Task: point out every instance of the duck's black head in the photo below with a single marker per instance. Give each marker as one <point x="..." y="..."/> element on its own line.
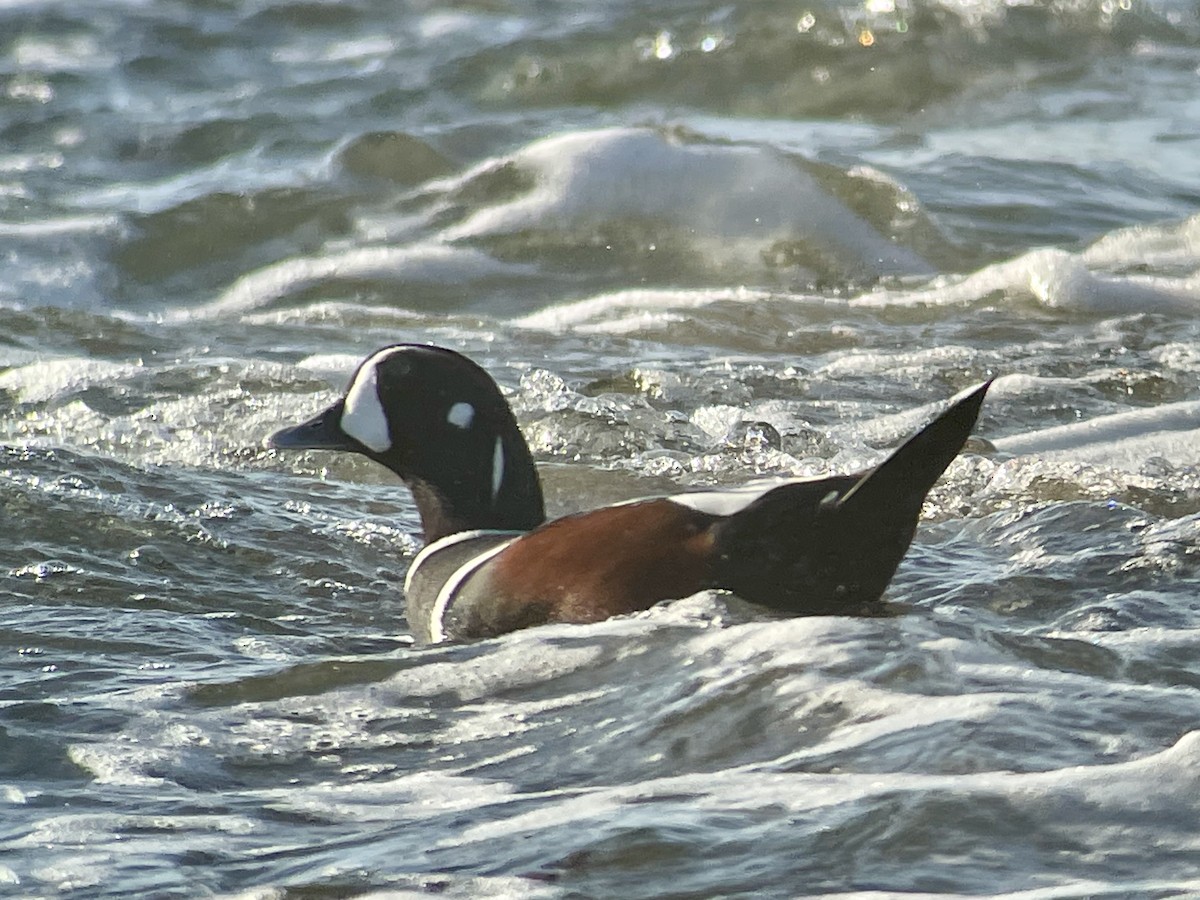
<point x="438" y="421"/>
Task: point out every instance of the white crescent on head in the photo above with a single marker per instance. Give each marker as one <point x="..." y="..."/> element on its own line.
<point x="363" y="417"/>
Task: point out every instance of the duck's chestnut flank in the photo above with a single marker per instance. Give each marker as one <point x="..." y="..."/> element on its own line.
<point x="492" y="563"/>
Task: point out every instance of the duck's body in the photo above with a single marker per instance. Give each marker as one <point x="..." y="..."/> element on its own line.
<point x="492" y="564"/>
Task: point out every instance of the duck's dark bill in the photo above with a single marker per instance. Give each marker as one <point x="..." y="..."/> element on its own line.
<point x="321" y="432"/>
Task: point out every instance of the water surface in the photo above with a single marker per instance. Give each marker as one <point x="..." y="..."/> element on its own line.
<point x="658" y="227"/>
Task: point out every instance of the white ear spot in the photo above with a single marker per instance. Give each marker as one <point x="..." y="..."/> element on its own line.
<point x="461" y="415"/>
<point x="363" y="417"/>
<point x="497" y="468"/>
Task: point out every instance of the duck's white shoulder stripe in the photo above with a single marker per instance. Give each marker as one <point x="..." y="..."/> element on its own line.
<point x="441" y="544"/>
<point x="732" y="501"/>
<point x="437" y="633"/>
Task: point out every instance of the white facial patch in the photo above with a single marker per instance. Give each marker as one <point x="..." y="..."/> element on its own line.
<point x="363" y="417"/>
<point x="497" y="468"/>
<point x="461" y="415"/>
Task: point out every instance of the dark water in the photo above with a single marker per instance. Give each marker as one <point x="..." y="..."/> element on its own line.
<point x="657" y="225"/>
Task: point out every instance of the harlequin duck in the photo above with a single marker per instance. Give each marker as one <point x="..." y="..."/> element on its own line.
<point x="492" y="564"/>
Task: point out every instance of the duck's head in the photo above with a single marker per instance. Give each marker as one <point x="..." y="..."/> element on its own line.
<point x="438" y="421"/>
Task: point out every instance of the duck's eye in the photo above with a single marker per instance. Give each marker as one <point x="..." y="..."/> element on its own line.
<point x="461" y="415"/>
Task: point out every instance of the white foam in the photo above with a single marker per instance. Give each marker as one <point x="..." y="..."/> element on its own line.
<point x="1122" y="440"/>
<point x="1164" y="780"/>
<point x="643" y="174"/>
<point x="1056" y="279"/>
<point x="40" y="381"/>
<point x="432" y="262"/>
<point x="333" y="367"/>
<point x="627" y="310"/>
<point x="1173" y="245"/>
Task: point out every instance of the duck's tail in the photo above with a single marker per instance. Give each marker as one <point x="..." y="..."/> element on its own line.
<point x="832" y="546"/>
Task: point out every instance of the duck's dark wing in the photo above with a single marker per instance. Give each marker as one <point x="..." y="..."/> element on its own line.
<point x="831" y="547"/>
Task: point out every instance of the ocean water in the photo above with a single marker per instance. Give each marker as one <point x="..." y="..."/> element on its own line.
<point x="659" y="226"/>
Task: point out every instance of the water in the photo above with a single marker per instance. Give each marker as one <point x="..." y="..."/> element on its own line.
<point x="658" y="226"/>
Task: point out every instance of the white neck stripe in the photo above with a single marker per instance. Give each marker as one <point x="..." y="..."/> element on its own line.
<point x="497" y="468"/>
